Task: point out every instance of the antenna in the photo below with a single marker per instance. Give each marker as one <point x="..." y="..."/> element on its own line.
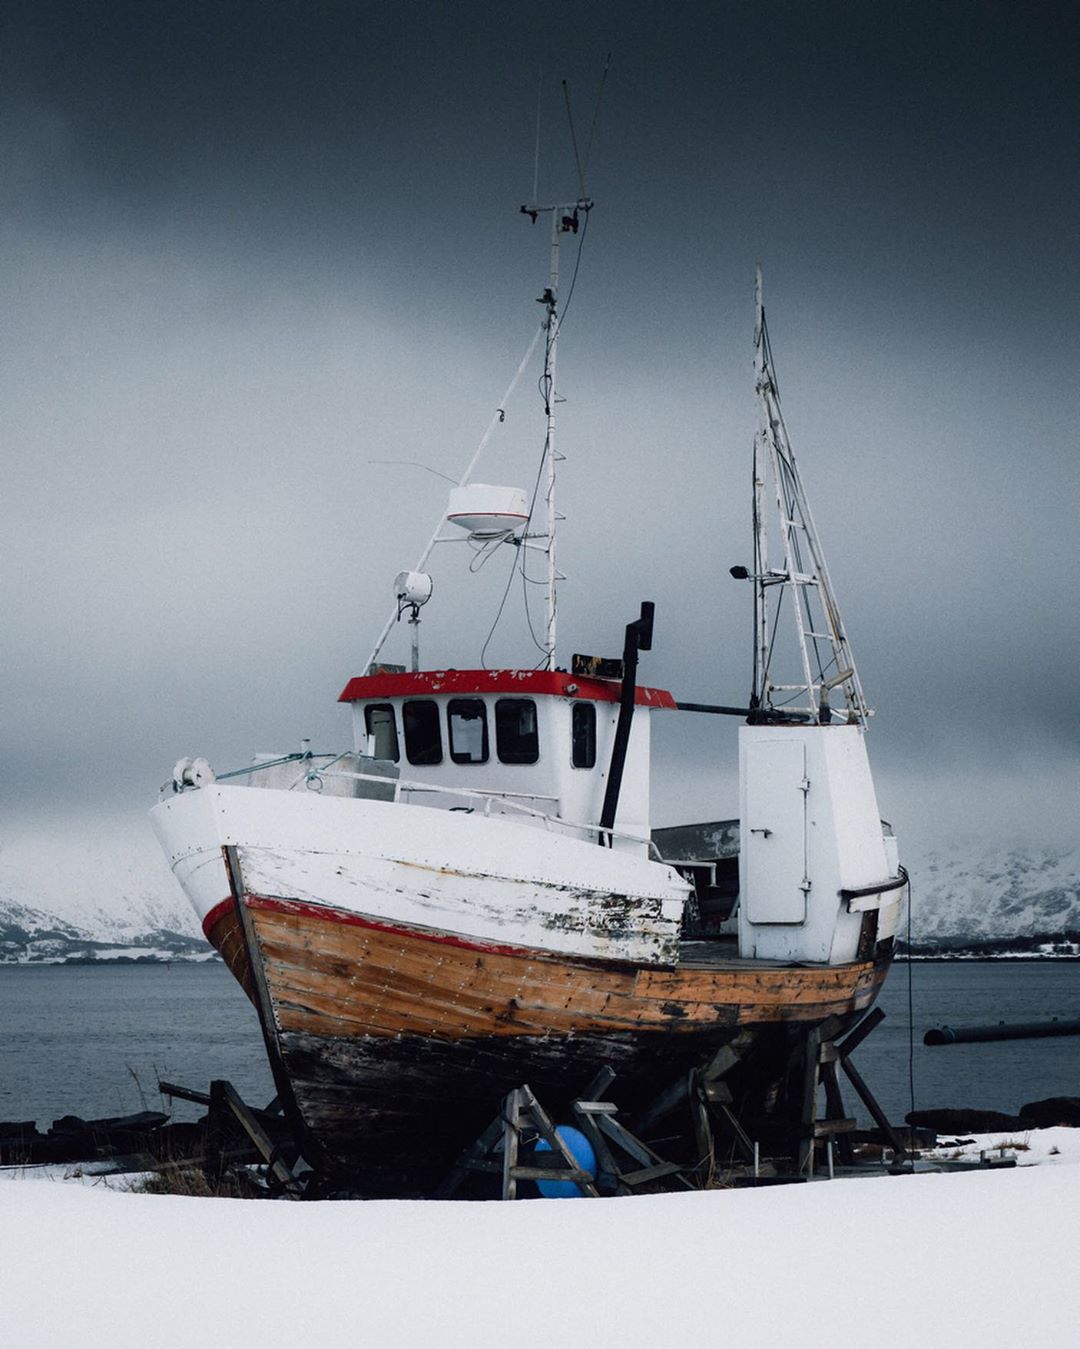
<point x="573" y="141"/>
<point x="536" y="156"/>
<point x="595" y="116"/>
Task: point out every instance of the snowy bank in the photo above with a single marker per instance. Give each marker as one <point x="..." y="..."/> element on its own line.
<point x="980" y="1259"/>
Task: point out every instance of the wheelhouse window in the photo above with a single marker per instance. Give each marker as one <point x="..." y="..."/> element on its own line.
<point x="583" y="735"/>
<point x="517" y="739"/>
<point x="382" y="730"/>
<point x="423" y="743"/>
<point x="467" y="721"/>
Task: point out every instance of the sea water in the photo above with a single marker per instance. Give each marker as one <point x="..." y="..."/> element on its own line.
<point x="93" y="1040"/>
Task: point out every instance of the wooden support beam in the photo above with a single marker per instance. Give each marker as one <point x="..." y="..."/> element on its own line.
<point x="808" y="1112"/>
<point x="834" y="1101"/>
<point x="265" y="1145"/>
<point x="473" y="1159"/>
<point x="852" y="1041"/>
<point x="825" y="1128"/>
<point x="539" y="1118"/>
<point x="271" y="1112"/>
<point x="511" y="1138"/>
<point x="868" y="1099"/>
<point x="600" y="1083"/>
<point x="741" y="1136"/>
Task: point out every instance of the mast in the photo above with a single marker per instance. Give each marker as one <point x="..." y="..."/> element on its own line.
<point x="824" y="657"/>
<point x="564" y="219"/>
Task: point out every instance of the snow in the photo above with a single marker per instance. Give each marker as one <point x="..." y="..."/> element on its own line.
<point x="1033" y="1147"/>
<point x="978" y="1258"/>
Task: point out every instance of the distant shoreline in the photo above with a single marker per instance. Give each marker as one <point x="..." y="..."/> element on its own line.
<point x="212" y="958"/>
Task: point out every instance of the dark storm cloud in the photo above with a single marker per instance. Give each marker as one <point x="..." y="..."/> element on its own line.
<point x="249" y="248"/>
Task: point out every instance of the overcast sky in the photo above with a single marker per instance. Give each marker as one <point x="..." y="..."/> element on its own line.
<point x="249" y="249"/>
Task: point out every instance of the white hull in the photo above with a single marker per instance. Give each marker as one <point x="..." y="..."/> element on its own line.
<point x="486" y="880"/>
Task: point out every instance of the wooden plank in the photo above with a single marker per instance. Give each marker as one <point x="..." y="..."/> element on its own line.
<point x="364" y="980"/>
<point x="868" y="1099"/>
<point x="600" y="1083"/>
<point x="655" y="1172"/>
<point x="473" y="1159"/>
<point x="604" y="1160"/>
<point x="808" y="1112"/>
<point x="261" y="993"/>
<point x="540" y="1118"/>
<point x="511" y="1116"/>
<point x="834" y="1104"/>
<point x="580" y="1178"/>
<point x="261" y="1139"/>
<point x="825" y="1128"/>
<point x="852" y="1041"/>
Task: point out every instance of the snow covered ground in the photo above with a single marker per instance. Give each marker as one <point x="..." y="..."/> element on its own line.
<point x="975" y="1259"/>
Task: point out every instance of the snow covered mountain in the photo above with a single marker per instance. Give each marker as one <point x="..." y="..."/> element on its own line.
<point x="102" y="892"/>
<point x="989" y="895"/>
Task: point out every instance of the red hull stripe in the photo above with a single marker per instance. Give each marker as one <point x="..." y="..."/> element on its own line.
<point x="215" y="913"/>
<point x="329" y="915"/>
<point x="555" y="683"/>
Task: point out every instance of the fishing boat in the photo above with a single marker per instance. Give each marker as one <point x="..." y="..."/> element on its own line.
<point x="473" y="895"/>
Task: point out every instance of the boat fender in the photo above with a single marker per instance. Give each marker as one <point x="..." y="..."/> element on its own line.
<point x="192" y="773"/>
<point x="582" y="1152"/>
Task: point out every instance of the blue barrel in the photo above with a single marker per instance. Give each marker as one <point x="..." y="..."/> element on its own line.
<point x="582" y="1152"/>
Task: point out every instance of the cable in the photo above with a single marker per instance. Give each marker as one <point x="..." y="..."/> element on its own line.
<point x="911" y="1012"/>
<point x="520" y="560"/>
<point x="495" y="624"/>
<point x="573" y="276"/>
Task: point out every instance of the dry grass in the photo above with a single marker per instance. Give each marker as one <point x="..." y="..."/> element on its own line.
<point x="193" y="1183"/>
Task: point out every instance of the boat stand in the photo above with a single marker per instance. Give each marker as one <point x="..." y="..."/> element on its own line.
<point x="229" y="1116"/>
<point x="507" y="1147"/>
<point x="824" y="1057"/>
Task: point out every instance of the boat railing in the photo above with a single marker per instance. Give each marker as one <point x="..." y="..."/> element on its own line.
<point x="312" y="778"/>
<point x="489" y="797"/>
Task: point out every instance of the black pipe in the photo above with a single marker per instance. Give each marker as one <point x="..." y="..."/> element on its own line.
<point x="756" y="716"/>
<point x="1024" y="1030"/>
<point x="880" y="888"/>
<point x="638" y="638"/>
<point x="716" y="709"/>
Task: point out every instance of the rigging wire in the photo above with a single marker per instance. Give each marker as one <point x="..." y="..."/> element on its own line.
<point x="521" y="561"/>
<point x="498" y="615"/>
<point x="595" y="117"/>
<point x="911" y="1010"/>
<point x="574" y="274"/>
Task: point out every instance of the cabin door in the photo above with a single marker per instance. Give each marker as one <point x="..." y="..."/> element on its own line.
<point x="773" y="835"/>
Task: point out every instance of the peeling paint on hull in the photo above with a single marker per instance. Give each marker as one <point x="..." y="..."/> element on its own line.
<point x="400" y="1044"/>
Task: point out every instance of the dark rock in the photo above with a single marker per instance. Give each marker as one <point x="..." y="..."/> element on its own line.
<point x="18" y="1128"/>
<point x="951" y="1122"/>
<point x="1054" y="1110"/>
<point x="142" y="1119"/>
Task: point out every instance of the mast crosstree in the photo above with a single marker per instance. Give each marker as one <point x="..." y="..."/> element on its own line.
<point x="823" y="654"/>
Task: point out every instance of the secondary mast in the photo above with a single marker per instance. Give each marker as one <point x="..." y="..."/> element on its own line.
<point x="824" y="656"/>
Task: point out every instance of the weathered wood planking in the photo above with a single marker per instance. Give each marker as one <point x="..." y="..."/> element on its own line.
<point x="333" y="977"/>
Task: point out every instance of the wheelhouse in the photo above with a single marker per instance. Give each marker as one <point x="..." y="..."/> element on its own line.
<point x="536" y="744"/>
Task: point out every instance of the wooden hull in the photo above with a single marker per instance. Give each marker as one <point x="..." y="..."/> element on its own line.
<point x="398" y="1044"/>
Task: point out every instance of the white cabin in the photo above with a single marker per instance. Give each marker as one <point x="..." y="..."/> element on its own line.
<point x="535" y="744"/>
